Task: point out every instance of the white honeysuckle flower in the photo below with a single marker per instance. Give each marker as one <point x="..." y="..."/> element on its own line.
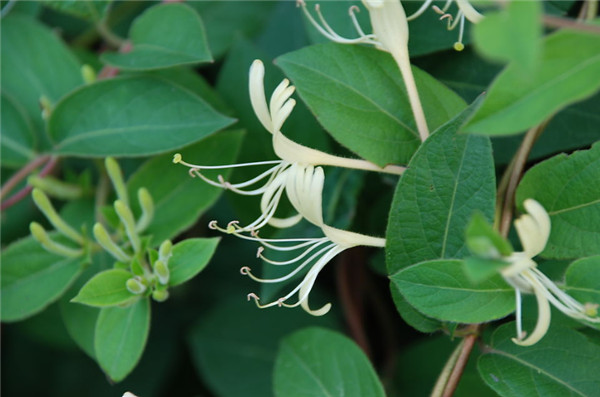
<point x="533" y="229"/>
<point x="390" y="33"/>
<point x="271" y="183"/>
<point x="305" y="190"/>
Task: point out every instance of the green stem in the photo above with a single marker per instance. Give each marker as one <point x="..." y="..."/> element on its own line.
<point x="108" y="35"/>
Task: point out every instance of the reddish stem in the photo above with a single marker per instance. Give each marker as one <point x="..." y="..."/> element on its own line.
<point x="461" y="363"/>
<point x="22" y="173"/>
<point x="350" y="276"/>
<point x="21" y="194"/>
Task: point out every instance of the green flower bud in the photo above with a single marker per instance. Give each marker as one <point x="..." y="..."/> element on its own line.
<point x="135" y="286"/>
<point x="108" y="244"/>
<point x="147" y="206"/>
<point x="116" y="177"/>
<point x="43" y="203"/>
<point x="126" y="217"/>
<point x="162" y="272"/>
<point x="55" y="188"/>
<point x="88" y="74"/>
<point x="160" y="295"/>
<point x="164" y="252"/>
<point x="40" y="235"/>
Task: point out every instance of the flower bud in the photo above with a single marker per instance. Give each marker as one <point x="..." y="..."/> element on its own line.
<point x="147" y="206"/>
<point x="160" y="295"/>
<point x="164" y="252"/>
<point x="108" y="244"/>
<point x="43" y="203"/>
<point x="116" y="177"/>
<point x="40" y="235"/>
<point x="135" y="286"/>
<point x="126" y="217"/>
<point x="55" y="188"/>
<point x="162" y="272"/>
<point x="88" y="74"/>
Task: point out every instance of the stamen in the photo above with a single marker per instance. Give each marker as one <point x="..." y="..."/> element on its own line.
<point x="295" y="259"/>
<point x="420" y="11"/>
<point x="459" y="46"/>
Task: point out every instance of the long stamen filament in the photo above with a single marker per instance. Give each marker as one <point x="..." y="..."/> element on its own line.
<point x="420" y="11"/>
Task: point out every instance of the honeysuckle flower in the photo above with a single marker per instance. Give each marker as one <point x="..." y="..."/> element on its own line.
<point x="390" y="33"/>
<point x="272" y="182"/>
<point x="305" y="192"/>
<point x="533" y="229"/>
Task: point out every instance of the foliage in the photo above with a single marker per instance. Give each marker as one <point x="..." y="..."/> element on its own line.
<point x="418" y="181"/>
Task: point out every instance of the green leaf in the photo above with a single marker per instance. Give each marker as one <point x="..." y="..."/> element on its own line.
<point x="568" y="188"/>
<point x="189" y="258"/>
<point x="32" y="278"/>
<point x="132" y="116"/>
<point x="18" y="139"/>
<point x="582" y="281"/>
<point x="320" y="362"/>
<point x="569" y="66"/>
<point x="227" y="20"/>
<point x="412" y="316"/>
<point x="440" y="289"/>
<point x="563" y="363"/>
<point x="372" y="117"/>
<point x="521" y="43"/>
<point x="479" y="269"/>
<point x="35" y="63"/>
<point x="90" y="10"/>
<point x="484" y="240"/>
<point x="121" y="335"/>
<point x="107" y="288"/>
<point x="163" y="36"/>
<point x="240" y="364"/>
<point x="178" y="198"/>
<point x="450" y="177"/>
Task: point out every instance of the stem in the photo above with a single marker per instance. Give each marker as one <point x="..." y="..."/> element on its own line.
<point x="350" y="289"/>
<point x="108" y="35"/>
<point x="442" y="380"/>
<point x="22" y="174"/>
<point x="21" y="194"/>
<point x="507" y="200"/>
<point x="461" y="362"/>
<point x="102" y="191"/>
<point x="558" y="22"/>
<point x="413" y="95"/>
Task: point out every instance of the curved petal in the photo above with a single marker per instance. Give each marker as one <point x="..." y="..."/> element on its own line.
<point x="543" y="322"/>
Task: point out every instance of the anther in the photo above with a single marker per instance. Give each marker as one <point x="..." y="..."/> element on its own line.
<point x="252" y="295"/>
<point x="353" y="9"/>
<point x="259" y="251"/>
<point x="245" y="270"/>
<point x="213" y="225"/>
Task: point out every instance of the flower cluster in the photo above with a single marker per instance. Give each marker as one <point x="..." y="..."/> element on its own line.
<point x="298" y="174"/>
<point x="522" y="273"/>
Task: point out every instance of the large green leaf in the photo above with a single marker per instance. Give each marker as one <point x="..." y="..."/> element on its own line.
<point x="227" y="20"/>
<point x="568" y="188"/>
<point x="563" y="363"/>
<point x="163" y="36"/>
<point x="370" y="116"/>
<point x="412" y="316"/>
<point x="568" y="72"/>
<point x="18" y="138"/>
<point x="521" y="43"/>
<point x="236" y="363"/>
<point x="449" y="178"/>
<point x="189" y="258"/>
<point x="320" y="362"/>
<point x="32" y="278"/>
<point x="178" y="198"/>
<point x="35" y="63"/>
<point x="107" y="288"/>
<point x="131" y="116"/>
<point x="121" y="335"/>
<point x="441" y="289"/>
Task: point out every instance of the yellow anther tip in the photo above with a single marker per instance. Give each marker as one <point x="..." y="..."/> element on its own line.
<point x="176" y="158"/>
<point x="458" y="46"/>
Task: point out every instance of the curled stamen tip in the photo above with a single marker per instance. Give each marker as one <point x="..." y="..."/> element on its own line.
<point x="192" y="172"/>
<point x="245" y="270"/>
<point x="280" y="302"/>
<point x="300" y="3"/>
<point x="353" y="9"/>
<point x="446" y="16"/>
<point x="437" y="9"/>
<point x="252" y="295"/>
<point x="213" y="225"/>
<point x="458" y="46"/>
<point x="317" y="7"/>
<point x="259" y="251"/>
<point x="177" y="158"/>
